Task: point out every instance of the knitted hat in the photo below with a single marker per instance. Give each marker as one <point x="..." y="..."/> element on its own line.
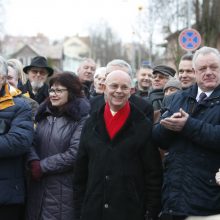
<point x="173" y="83"/>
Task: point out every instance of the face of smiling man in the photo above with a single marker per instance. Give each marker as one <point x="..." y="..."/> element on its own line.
<point x="144" y="78"/>
<point x="117" y="89"/>
<point x="186" y="73"/>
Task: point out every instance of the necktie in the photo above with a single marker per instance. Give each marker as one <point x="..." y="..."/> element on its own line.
<point x="202" y="96"/>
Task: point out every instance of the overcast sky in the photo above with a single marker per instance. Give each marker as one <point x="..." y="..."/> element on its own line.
<point x="59" y="18"/>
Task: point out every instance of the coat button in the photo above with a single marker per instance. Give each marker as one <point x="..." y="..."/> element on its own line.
<point x="107" y="177"/>
<point x="106" y="205"/>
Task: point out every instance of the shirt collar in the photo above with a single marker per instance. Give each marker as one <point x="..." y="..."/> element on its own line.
<point x="200" y="91"/>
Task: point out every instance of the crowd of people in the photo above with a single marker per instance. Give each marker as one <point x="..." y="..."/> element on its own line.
<point x="97" y="145"/>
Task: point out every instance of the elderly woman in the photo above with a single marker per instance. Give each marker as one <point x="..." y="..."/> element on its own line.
<point x="21" y="77"/>
<point x="59" y="123"/>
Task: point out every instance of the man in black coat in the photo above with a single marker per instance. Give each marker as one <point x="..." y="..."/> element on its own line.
<point x="118" y="172"/>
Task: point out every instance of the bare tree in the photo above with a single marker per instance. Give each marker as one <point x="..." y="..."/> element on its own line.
<point x="175" y="15"/>
<point x="208" y="20"/>
<point x="105" y="44"/>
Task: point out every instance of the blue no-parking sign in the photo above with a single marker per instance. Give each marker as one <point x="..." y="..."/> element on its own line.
<point x="189" y="39"/>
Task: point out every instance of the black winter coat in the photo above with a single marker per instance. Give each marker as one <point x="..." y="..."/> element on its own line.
<point x="193" y="156"/>
<point x="156" y="97"/>
<point x="118" y="179"/>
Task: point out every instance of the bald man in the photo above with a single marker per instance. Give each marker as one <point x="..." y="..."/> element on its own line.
<point x="143" y="105"/>
<point x="118" y="172"/>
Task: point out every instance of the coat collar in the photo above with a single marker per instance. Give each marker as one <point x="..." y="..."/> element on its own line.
<point x="192" y="92"/>
<point x="99" y="123"/>
<point x="6" y="98"/>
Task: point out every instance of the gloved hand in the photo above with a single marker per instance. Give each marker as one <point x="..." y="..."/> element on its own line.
<point x="36" y="171"/>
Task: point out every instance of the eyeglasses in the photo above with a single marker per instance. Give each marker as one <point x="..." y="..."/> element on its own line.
<point x="159" y="76"/>
<point x="116" y="86"/>
<point x="56" y="91"/>
<point x="42" y="72"/>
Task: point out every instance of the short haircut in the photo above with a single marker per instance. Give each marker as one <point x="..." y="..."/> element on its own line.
<point x="204" y="51"/>
<point x="99" y="70"/>
<point x="87" y="60"/>
<point x="187" y="56"/>
<point x="120" y="63"/>
<point x="3" y="67"/>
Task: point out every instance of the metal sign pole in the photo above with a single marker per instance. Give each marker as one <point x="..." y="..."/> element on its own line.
<point x="189" y="13"/>
<point x="188" y="19"/>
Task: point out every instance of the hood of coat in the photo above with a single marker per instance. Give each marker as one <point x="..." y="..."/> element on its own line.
<point x="75" y="110"/>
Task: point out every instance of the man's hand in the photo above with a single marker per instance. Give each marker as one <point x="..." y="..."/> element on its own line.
<point x="176" y="121"/>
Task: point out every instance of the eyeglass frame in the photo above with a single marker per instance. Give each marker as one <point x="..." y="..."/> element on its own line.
<point x="114" y="87"/>
<point x="160" y="76"/>
<point x="41" y="71"/>
<point x="56" y="91"/>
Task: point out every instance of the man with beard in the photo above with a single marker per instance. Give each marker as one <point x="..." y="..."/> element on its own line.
<point x="86" y="72"/>
<point x="38" y="72"/>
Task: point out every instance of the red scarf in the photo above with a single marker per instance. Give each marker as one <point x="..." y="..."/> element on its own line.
<point x="114" y="123"/>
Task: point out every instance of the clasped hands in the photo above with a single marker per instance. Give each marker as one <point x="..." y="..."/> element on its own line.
<point x="176" y="121"/>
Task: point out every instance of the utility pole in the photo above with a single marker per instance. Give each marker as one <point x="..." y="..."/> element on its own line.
<point x="140" y="8"/>
<point x="151" y="28"/>
<point x="188" y="18"/>
<point x="188" y="13"/>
